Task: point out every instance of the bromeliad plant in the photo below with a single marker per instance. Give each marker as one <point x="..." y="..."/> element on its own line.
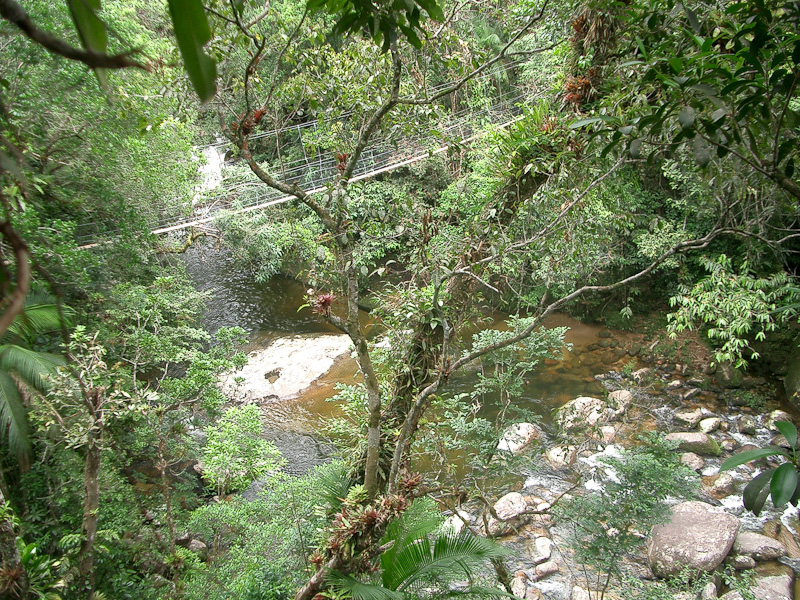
<point x="781" y="483"/>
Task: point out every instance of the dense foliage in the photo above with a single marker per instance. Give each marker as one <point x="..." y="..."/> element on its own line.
<point x="647" y="162"/>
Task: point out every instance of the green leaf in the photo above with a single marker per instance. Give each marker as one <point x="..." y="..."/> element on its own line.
<point x="701" y="153"/>
<point x="676" y="64"/>
<point x="788" y="431"/>
<point x="636" y="148"/>
<point x="783" y="484"/>
<point x="91" y="29"/>
<point x="686" y="118"/>
<point x="192" y="32"/>
<point x="433" y="9"/>
<point x="749" y="455"/>
<point x="756" y="492"/>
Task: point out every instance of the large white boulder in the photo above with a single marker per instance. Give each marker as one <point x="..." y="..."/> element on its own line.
<point x="285" y="368"/>
<point x="698" y="536"/>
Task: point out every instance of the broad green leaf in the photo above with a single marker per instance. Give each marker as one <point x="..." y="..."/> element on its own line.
<point x="676" y="64"/>
<point x="783" y="484"/>
<point x="701" y="153"/>
<point x="636" y="148"/>
<point x="192" y="32"/>
<point x="756" y="492"/>
<point x="686" y="118"/>
<point x="91" y="29"/>
<point x="749" y="455"/>
<point x="789" y="431"/>
<point x="433" y="9"/>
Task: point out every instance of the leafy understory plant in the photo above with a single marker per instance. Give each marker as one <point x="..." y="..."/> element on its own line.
<point x="236" y="454"/>
<point x="781" y="483"/>
<point x="733" y="305"/>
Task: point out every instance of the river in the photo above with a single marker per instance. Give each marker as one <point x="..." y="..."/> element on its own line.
<point x="269" y="310"/>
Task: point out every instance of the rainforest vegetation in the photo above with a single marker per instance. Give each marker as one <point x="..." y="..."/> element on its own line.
<point x="646" y="173"/>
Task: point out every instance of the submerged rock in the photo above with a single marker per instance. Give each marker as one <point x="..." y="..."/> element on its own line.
<point x="285" y="368"/>
<point x="698" y="536"/>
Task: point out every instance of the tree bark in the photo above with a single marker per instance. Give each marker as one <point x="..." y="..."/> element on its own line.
<point x="91" y="490"/>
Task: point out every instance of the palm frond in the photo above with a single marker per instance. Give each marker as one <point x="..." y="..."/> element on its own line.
<point x="416" y="523"/>
<point x="476" y="591"/>
<point x="13" y="417"/>
<point x="450" y="554"/>
<point x="40" y="315"/>
<point x="347" y="585"/>
<point x="332" y="483"/>
<point x="30" y="366"/>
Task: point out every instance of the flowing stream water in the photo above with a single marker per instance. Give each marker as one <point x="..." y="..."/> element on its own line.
<point x="269" y="310"/>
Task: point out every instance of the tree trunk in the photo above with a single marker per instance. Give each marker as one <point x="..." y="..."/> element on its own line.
<point x="91" y="490"/>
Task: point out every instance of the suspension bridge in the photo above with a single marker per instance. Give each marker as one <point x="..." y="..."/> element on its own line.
<point x="315" y="170"/>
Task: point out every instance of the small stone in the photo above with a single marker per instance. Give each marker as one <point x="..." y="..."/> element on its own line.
<point x="709" y="591"/>
<point x="540" y="549"/>
<point x="776" y="415"/>
<point x="689" y="394"/>
<point x="693" y="461"/>
<point x="732" y="595"/>
<point x="710" y="424"/>
<point x="720" y="485"/>
<point x="747" y="425"/>
<point x="456" y="522"/>
<point x="198" y="548"/>
<point x="608" y="434"/>
<point x="578" y="593"/>
<point x="728" y="377"/>
<point x="510" y="506"/>
<point x="561" y="457"/>
<point x="620" y="401"/>
<point x="604" y="334"/>
<point x="674" y="384"/>
<point x="534" y="593"/>
<point x="690" y="417"/>
<point x="634" y="349"/>
<point x="760" y="547"/>
<point x="699" y="443"/>
<point x="741" y="563"/>
<point x="728" y="445"/>
<point x="641" y="375"/>
<point x="604" y="343"/>
<point x="545" y="569"/>
<point x="517" y="437"/>
<point x="519" y="584"/>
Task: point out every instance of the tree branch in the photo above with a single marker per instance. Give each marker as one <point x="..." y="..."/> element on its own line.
<point x="15" y="14"/>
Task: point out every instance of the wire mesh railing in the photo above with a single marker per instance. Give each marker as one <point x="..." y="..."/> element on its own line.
<point x="315" y="170"/>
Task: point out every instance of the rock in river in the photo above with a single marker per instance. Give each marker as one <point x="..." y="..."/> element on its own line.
<point x="698" y="536"/>
<point x="699" y="443"/>
<point x="285" y="368"/>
